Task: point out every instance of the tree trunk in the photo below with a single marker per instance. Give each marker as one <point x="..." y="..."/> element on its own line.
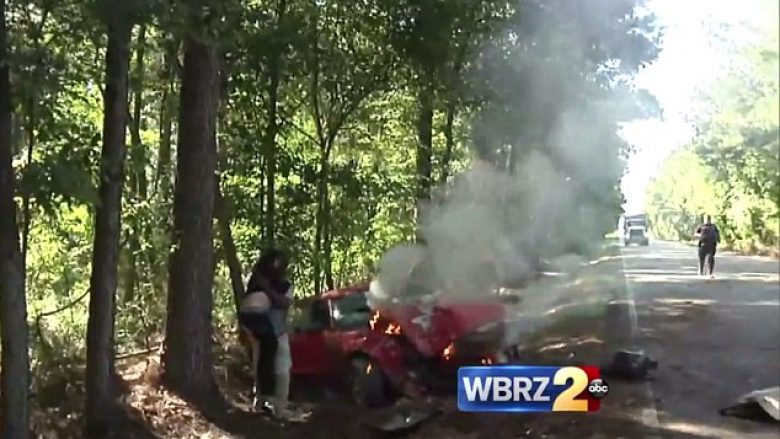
<point x="327" y="244"/>
<point x="162" y="179"/>
<point x="223" y="212"/>
<point x="14" y="365"/>
<point x="188" y="358"/>
<point x="319" y="219"/>
<point x="32" y="120"/>
<point x="167" y="110"/>
<point x="272" y="129"/>
<point x="26" y="202"/>
<point x="138" y="168"/>
<point x="269" y="144"/>
<point x="229" y="247"/>
<point x="425" y="145"/>
<point x="100" y="374"/>
<point x="449" y="142"/>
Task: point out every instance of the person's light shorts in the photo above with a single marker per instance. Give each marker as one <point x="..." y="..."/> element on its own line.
<point x="283" y="360"/>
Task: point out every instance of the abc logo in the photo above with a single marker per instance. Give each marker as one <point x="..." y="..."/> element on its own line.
<point x="598" y="388"/>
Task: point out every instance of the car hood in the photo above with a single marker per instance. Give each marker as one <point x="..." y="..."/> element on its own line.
<point x="433" y="327"/>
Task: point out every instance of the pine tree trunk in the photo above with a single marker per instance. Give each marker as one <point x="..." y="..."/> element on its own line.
<point x="425" y="144"/>
<point x="319" y="219"/>
<point x="162" y="180"/>
<point x="449" y="137"/>
<point x="167" y="111"/>
<point x="26" y="201"/>
<point x="188" y="358"/>
<point x="100" y="374"/>
<point x="229" y="248"/>
<point x="223" y="213"/>
<point x="272" y="129"/>
<point x="14" y="365"/>
<point x="327" y="243"/>
<point x="269" y="143"/>
<point x="138" y="169"/>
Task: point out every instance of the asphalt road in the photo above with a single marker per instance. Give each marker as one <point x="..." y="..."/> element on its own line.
<point x="714" y="339"/>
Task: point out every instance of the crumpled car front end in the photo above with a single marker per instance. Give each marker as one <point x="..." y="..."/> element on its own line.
<point x="420" y="345"/>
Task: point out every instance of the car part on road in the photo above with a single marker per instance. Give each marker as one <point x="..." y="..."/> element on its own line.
<point x="631" y="365"/>
<point x="759" y="405"/>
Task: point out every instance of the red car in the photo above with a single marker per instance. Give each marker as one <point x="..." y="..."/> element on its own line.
<point x="400" y="349"/>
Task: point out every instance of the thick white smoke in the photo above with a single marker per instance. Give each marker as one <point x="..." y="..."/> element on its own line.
<point x="492" y="230"/>
<point x="489" y="228"/>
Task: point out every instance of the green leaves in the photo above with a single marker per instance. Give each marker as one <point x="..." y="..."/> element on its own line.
<point x="733" y="163"/>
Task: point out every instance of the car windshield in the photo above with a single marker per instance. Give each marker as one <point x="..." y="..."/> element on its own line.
<point x="350" y="311"/>
<point x="637" y="232"/>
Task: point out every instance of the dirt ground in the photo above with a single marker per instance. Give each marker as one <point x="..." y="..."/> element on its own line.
<point x="714" y="340"/>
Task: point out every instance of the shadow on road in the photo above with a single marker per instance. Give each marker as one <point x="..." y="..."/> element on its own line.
<point x="715" y="339"/>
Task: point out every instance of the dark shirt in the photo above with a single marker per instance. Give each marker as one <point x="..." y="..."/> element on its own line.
<point x="711" y="240"/>
<point x="257" y="283"/>
<point x="280" y="296"/>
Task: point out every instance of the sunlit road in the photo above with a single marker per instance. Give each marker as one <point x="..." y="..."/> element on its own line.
<point x="715" y="339"/>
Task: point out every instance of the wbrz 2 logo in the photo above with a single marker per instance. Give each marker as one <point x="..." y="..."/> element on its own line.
<point x="530" y="389"/>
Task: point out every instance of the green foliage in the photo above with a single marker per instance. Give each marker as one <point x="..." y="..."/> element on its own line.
<point x="529" y="75"/>
<point x="732" y="169"/>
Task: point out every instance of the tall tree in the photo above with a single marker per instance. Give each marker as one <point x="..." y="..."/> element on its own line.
<point x="137" y="164"/>
<point x="15" y="365"/>
<point x="732" y="162"/>
<point x="343" y="75"/>
<point x="105" y="257"/>
<point x="435" y="38"/>
<point x="187" y="359"/>
<point x="275" y="51"/>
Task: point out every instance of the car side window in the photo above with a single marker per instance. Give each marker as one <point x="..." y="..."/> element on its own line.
<point x="320" y="315"/>
<point x="315" y="317"/>
<point x="350" y="312"/>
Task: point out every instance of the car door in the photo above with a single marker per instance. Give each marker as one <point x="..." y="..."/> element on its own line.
<point x="309" y="342"/>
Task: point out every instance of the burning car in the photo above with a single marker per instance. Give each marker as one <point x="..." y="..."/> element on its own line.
<point x="409" y="348"/>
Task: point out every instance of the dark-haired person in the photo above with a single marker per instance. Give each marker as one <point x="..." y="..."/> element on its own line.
<point x="254" y="318"/>
<point x="269" y="278"/>
<point x="709" y="238"/>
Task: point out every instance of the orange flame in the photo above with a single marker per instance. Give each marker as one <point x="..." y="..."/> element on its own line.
<point x="393" y="329"/>
<point x="449" y="351"/>
<point x="374" y="319"/>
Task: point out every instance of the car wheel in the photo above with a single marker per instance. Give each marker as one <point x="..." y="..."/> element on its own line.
<point x="367" y="385"/>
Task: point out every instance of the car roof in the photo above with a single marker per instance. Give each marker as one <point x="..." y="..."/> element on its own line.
<point x="343" y="292"/>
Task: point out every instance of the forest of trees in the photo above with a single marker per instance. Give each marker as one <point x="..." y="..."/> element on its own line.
<point x="149" y="149"/>
<point x="731" y="169"/>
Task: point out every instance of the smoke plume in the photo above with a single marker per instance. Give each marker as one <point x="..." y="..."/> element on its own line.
<point x="542" y="188"/>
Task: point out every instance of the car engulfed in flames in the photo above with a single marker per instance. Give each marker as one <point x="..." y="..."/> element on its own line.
<point x="410" y="348"/>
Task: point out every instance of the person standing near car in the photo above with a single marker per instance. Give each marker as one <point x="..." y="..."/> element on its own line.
<point x="255" y="321"/>
<point x="709" y="238"/>
<point x="269" y="277"/>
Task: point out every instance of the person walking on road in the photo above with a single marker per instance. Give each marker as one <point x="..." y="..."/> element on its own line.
<point x="709" y="238"/>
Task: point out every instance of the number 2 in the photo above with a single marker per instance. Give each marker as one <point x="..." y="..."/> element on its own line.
<point x="565" y="402"/>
